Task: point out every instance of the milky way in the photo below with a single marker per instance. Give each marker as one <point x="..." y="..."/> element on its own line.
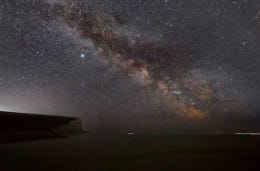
<point x="144" y="65"/>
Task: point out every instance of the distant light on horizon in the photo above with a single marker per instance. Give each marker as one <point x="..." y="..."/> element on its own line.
<point x="247" y="133"/>
<point x="130" y="133"/>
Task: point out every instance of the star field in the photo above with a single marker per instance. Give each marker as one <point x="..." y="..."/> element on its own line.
<point x="144" y="65"/>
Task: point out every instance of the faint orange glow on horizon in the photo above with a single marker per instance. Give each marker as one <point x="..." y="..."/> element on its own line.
<point x="193" y="113"/>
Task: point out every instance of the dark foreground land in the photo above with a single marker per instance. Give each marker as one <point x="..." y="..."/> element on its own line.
<point x="16" y="127"/>
<point x="141" y="152"/>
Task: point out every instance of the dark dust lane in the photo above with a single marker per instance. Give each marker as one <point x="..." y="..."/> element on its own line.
<point x="173" y="66"/>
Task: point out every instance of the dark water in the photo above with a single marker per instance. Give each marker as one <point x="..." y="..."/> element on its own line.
<point x="141" y="152"/>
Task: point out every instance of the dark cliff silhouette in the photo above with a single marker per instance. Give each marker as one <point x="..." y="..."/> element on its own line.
<point x="24" y="127"/>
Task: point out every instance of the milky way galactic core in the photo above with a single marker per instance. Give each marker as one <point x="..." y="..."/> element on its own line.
<point x="150" y="65"/>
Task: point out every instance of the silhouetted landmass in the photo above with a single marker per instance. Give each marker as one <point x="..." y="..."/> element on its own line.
<point x="22" y="127"/>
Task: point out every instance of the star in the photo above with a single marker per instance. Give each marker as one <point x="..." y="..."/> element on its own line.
<point x="82" y="56"/>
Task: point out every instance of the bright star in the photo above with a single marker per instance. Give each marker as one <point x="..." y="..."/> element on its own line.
<point x="82" y="55"/>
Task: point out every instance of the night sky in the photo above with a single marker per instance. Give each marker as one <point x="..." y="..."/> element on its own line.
<point x="134" y="65"/>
